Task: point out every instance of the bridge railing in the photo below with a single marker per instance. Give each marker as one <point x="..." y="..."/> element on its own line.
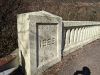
<point x="79" y="33"/>
<point x="43" y="37"/>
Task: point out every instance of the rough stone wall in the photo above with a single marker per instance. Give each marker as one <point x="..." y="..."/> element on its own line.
<point x="67" y="9"/>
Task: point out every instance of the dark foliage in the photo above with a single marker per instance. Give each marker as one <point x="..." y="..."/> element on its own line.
<point x="8" y="28"/>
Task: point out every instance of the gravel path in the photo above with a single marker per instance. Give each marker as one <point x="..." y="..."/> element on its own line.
<point x="88" y="56"/>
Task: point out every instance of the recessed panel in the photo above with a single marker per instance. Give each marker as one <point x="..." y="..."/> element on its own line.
<point x="47" y="42"/>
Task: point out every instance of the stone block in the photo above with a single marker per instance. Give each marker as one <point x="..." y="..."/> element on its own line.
<point x="40" y="39"/>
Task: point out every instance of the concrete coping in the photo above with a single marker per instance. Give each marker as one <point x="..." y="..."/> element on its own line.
<point x="81" y="23"/>
<point x="39" y="13"/>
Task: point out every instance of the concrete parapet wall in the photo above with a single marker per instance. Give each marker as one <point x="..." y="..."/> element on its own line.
<point x="79" y="33"/>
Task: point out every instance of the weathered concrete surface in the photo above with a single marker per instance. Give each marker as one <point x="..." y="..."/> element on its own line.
<point x="88" y="56"/>
<point x="39" y="38"/>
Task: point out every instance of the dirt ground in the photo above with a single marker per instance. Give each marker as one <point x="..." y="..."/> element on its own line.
<point x="88" y="56"/>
